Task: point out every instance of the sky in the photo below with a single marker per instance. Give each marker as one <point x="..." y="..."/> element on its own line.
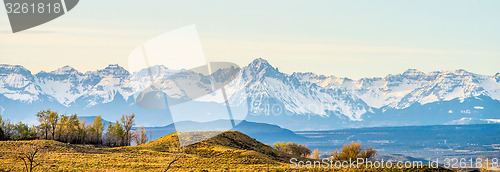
<point x="351" y="39"/>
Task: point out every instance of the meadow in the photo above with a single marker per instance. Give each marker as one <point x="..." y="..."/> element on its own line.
<point x="229" y="151"/>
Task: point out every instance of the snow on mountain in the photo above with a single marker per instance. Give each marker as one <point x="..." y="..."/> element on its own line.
<point x="403" y="90"/>
<point x="265" y="85"/>
<point x="64" y="84"/>
<point x="468" y="121"/>
<point x="450" y="85"/>
<point x="17" y="83"/>
<point x="264" y="82"/>
<point x="142" y="79"/>
<point x="114" y="80"/>
<point x="491" y="86"/>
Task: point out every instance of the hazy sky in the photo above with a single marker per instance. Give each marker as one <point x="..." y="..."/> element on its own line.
<point x="343" y="38"/>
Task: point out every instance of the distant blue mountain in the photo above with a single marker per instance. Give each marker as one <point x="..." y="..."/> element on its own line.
<point x="90" y="119"/>
<point x="264" y="133"/>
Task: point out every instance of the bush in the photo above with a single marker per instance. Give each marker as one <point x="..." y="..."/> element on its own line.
<point x="353" y="151"/>
<point x="293" y="148"/>
<point x="315" y="154"/>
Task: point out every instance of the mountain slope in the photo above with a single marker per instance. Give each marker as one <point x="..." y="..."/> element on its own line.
<point x="225" y="145"/>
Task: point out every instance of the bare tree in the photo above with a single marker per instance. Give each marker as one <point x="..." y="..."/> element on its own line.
<point x="140" y="136"/>
<point x="27" y="153"/>
<point x="176" y="150"/>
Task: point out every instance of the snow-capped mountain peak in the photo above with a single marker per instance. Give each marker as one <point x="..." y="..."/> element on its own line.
<point x="298" y="93"/>
<point x="114" y="70"/>
<point x="413" y="73"/>
<point x="260" y="65"/>
<point x="65" y="70"/>
<point x="16" y="82"/>
<point x="6" y="69"/>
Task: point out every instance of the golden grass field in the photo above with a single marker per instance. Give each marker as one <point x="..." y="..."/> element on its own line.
<point x="230" y="151"/>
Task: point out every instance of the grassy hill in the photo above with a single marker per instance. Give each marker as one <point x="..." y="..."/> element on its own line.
<point x="229" y="144"/>
<point x="229" y="151"/>
<point x="265" y="133"/>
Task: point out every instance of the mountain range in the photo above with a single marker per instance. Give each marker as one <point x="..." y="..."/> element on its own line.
<point x="297" y="101"/>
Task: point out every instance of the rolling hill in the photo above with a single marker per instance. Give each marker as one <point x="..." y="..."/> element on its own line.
<point x="262" y="132"/>
<point x="229" y="151"/>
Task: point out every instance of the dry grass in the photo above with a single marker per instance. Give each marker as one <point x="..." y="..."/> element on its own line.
<point x="230" y="151"/>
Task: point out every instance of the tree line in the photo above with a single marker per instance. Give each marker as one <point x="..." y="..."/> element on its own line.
<point x="72" y="129"/>
<point x="350" y="151"/>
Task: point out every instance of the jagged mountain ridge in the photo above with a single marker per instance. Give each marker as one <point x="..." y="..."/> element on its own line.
<point x="268" y="89"/>
<point x="353" y="98"/>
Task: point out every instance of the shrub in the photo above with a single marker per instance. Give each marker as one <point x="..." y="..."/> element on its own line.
<point x="293" y="148"/>
<point x="315" y="154"/>
<point x="353" y="151"/>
